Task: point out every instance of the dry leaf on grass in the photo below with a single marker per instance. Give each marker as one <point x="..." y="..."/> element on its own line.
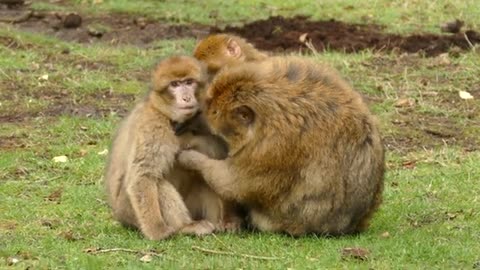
<point x="404" y="102"/>
<point x="303" y="37"/>
<point x="60" y="159"/>
<point x="43" y="77"/>
<point x="71" y="236"/>
<point x="409" y="164"/>
<point x="55" y="196"/>
<point x="357" y="253"/>
<point x="146" y="258"/>
<point x="12" y="261"/>
<point x="103" y="153"/>
<point x="465" y="95"/>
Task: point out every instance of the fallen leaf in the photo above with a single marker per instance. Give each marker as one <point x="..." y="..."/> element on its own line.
<point x="70" y="236"/>
<point x="303" y="37"/>
<point x="409" y="164"/>
<point x="12" y="260"/>
<point x="146" y="258"/>
<point x="405" y="102"/>
<point x="442" y="60"/>
<point x="385" y="235"/>
<point x="83" y="152"/>
<point x="55" y="196"/>
<point x="357" y="253"/>
<point x="465" y="95"/>
<point x="103" y="153"/>
<point x="61" y="159"/>
<point x="43" y="78"/>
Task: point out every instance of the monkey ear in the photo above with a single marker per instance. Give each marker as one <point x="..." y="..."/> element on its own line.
<point x="245" y="114"/>
<point x="233" y="49"/>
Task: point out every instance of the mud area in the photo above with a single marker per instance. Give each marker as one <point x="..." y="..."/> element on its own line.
<point x="286" y="34"/>
<point x="277" y="34"/>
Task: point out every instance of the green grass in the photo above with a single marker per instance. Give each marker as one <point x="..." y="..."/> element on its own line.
<point x="430" y="211"/>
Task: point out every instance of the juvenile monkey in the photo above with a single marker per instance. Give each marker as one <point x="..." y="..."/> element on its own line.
<point x="147" y="189"/>
<point x="221" y="50"/>
<point x="305" y="153"/>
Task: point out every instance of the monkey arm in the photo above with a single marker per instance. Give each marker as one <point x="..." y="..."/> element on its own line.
<point x="215" y="172"/>
<point x="209" y="145"/>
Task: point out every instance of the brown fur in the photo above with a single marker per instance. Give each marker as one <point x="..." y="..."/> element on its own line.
<point x="305" y="154"/>
<point x="146" y="188"/>
<point x="220" y="50"/>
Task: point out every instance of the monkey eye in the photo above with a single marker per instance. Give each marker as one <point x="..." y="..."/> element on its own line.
<point x="174" y="83"/>
<point x="189" y="81"/>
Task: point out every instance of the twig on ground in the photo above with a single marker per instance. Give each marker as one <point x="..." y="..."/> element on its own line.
<point x="139" y="252"/>
<point x="220" y="252"/>
<point x="221" y="242"/>
<point x="469" y="42"/>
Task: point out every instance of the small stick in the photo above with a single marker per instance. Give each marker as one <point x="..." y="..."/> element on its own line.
<point x="221" y="242"/>
<point x="219" y="252"/>
<point x="100" y="250"/>
<point x="469" y="42"/>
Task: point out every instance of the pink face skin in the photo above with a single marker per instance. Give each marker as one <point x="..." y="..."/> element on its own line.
<point x="186" y="104"/>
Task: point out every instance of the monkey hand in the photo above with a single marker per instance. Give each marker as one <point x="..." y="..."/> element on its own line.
<point x="191" y="159"/>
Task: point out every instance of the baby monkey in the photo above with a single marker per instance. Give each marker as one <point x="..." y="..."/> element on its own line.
<point x="220" y="50"/>
<point x="147" y="189"/>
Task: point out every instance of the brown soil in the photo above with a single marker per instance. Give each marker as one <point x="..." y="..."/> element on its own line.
<point x="113" y="29"/>
<point x="272" y="34"/>
<point x="278" y="33"/>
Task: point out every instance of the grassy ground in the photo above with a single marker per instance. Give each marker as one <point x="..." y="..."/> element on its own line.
<point x="52" y="213"/>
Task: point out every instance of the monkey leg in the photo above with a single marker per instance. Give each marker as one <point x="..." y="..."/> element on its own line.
<point x="123" y="210"/>
<point x="176" y="214"/>
<point x="173" y="208"/>
<point x="143" y="194"/>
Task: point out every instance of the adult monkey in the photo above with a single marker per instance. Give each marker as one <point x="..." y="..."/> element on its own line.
<point x="305" y="153"/>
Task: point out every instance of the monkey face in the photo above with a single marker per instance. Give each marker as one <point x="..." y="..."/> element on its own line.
<point x="234" y="124"/>
<point x="178" y="83"/>
<point x="184" y="98"/>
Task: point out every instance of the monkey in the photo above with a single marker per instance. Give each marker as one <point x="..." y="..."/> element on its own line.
<point x="305" y="153"/>
<point x="220" y="50"/>
<point x="146" y="188"/>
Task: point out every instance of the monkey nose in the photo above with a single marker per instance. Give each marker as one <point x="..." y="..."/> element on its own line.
<point x="186" y="99"/>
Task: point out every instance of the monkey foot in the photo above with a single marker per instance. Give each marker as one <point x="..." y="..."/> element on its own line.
<point x="199" y="228"/>
<point x="159" y="234"/>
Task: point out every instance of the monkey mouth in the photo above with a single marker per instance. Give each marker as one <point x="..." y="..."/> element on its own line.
<point x="188" y="108"/>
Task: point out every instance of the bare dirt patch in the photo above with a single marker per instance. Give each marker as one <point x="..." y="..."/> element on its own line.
<point x="112" y="29"/>
<point x="60" y="102"/>
<point x="415" y="131"/>
<point x="273" y="34"/>
<point x="279" y="33"/>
